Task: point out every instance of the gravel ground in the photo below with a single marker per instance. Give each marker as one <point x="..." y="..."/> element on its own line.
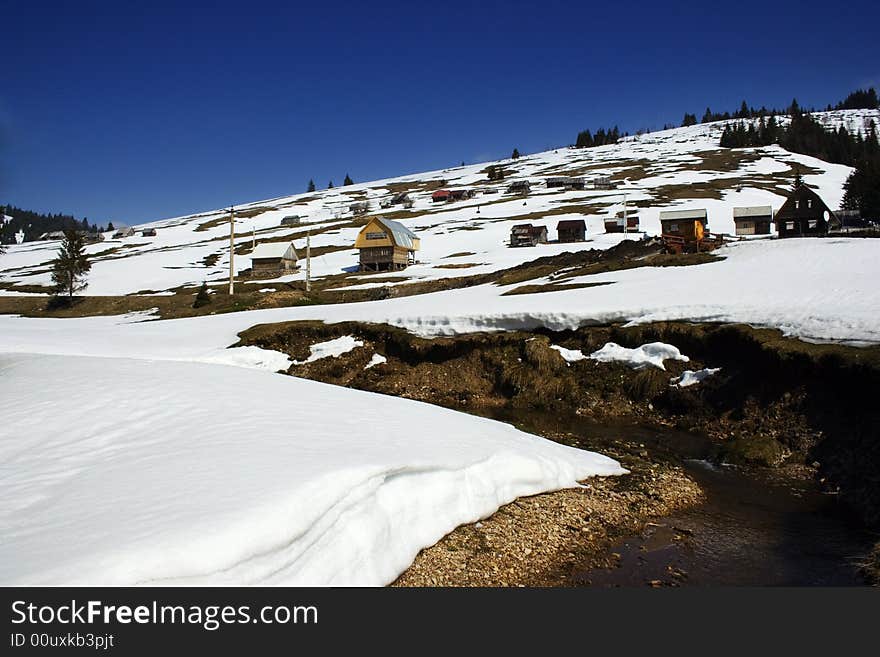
<point x="543" y="540"/>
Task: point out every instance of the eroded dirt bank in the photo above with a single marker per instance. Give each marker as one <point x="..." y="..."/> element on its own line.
<point x="806" y="411"/>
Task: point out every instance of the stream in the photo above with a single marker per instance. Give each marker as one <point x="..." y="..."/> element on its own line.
<point x="757" y="527"/>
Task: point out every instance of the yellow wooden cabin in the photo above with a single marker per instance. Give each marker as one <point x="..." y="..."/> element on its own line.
<point x="386" y="245"/>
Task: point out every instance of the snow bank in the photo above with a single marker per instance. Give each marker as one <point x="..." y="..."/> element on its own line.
<point x="653" y="353"/>
<point x="569" y="355"/>
<point x="692" y="377"/>
<point x="124" y="471"/>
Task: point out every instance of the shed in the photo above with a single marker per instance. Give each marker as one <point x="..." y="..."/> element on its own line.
<point x="360" y="207"/>
<point x="528" y="235"/>
<point x="128" y="231"/>
<point x="804" y="214"/>
<point x="754" y="220"/>
<point x="291" y="220"/>
<point x="386" y="245"/>
<point x="441" y="196"/>
<point x="571" y="230"/>
<point x="603" y="182"/>
<point x="685" y="231"/>
<point x="273" y="258"/>
<point x="519" y="187"/>
<point x="148" y="232"/>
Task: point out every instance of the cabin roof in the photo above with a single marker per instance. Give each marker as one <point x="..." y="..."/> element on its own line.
<point x="571" y="223"/>
<point x="753" y="211"/>
<point x="400" y="234"/>
<point x="268" y="250"/>
<point x="683" y="215"/>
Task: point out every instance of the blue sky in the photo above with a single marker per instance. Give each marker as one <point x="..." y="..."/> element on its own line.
<point x="132" y="112"/>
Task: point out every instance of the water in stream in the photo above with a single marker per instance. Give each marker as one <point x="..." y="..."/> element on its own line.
<point x="756" y="528"/>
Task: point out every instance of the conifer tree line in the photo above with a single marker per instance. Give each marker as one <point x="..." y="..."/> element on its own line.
<point x="311" y="186"/>
<point x="35" y="224"/>
<point x="586" y="139"/>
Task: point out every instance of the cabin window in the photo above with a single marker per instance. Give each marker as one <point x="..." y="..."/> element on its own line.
<point x="673" y="228"/>
<point x="797" y="205"/>
<point x="809" y="202"/>
<point x="813" y="223"/>
<point x="375" y="236"/>
<point x="789" y="225"/>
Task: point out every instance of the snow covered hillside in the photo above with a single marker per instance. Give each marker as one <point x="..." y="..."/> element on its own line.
<point x="677" y="168"/>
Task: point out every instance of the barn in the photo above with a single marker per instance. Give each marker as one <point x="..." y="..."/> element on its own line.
<point x="804" y="214"/>
<point x="441" y="196"/>
<point x="571" y="230"/>
<point x="754" y="220"/>
<point x="360" y="207"/>
<point x="273" y="258"/>
<point x="386" y="245"/>
<point x="528" y="235"/>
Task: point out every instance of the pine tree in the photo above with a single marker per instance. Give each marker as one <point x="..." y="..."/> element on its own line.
<point x="203" y="298"/>
<point x="311" y="186"/>
<point x="689" y="119"/>
<point x="330" y="185"/>
<point x="515" y="154"/>
<point x="798" y="179"/>
<point x="110" y="226"/>
<point x="70" y="267"/>
<point x="348" y="180"/>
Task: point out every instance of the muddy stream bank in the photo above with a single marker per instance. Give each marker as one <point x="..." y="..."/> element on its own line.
<point x="767" y="473"/>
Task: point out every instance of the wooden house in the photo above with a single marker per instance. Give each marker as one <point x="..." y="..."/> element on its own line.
<point x="386" y="245"/>
<point x="753" y="220"/>
<point x="686" y="231"/>
<point x="127" y="231"/>
<point x="566" y="182"/>
<point x="603" y="182"/>
<point x="441" y="196"/>
<point x="519" y="187"/>
<point x="460" y="194"/>
<point x="528" y="235"/>
<point x="400" y="199"/>
<point x="148" y="232"/>
<point x="615" y="224"/>
<point x="360" y="207"/>
<point x="571" y="230"/>
<point x="291" y="220"/>
<point x="273" y="258"/>
<point x="804" y="214"/>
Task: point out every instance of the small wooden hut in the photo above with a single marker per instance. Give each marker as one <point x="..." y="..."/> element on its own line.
<point x="273" y="258"/>
<point x="571" y="230"/>
<point x="753" y="220"/>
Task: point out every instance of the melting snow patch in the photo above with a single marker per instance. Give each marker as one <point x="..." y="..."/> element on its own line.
<point x="267" y="289"/>
<point x="691" y="377"/>
<point x="569" y="355"/>
<point x="653" y="353"/>
<point x="334" y="348"/>
<point x="377" y="359"/>
<point x="187" y="473"/>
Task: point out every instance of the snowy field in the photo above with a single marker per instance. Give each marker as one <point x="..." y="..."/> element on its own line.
<point x="656" y="171"/>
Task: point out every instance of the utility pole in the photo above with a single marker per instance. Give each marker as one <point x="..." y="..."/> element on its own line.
<point x="231" y="251"/>
<point x="253" y="238"/>
<point x="308" y="261"/>
<point x="625" y="226"/>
